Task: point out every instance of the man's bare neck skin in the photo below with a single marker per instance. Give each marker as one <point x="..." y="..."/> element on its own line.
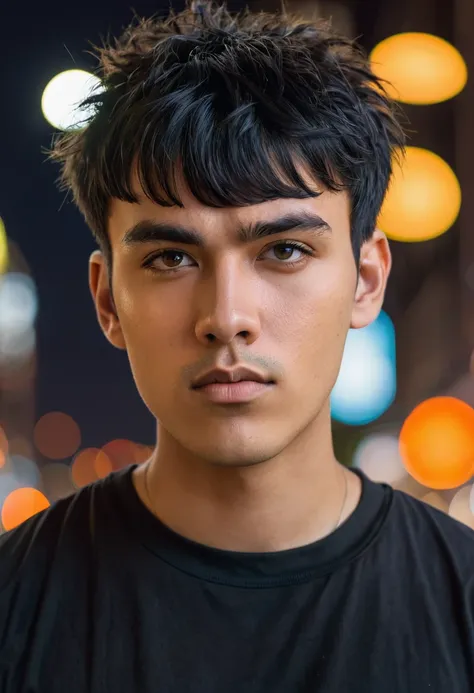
<point x="280" y="504"/>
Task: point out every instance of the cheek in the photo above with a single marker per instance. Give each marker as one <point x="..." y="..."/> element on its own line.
<point x="155" y="326"/>
<point x="314" y="313"/>
<point x="155" y="336"/>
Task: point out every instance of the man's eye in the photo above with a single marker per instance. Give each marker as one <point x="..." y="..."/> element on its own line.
<point x="166" y="260"/>
<point x="288" y="252"/>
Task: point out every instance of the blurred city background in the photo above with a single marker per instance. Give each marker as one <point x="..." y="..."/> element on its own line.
<point x="403" y="403"/>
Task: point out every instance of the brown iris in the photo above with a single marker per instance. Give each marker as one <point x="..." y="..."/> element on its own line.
<point x="172" y="258"/>
<point x="283" y="252"/>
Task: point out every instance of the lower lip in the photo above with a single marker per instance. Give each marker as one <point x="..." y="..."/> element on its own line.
<point x="233" y="393"/>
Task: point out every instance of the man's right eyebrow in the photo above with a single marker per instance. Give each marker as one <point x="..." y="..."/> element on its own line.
<point x="149" y="231"/>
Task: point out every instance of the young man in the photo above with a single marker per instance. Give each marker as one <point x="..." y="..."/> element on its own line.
<point x="232" y="174"/>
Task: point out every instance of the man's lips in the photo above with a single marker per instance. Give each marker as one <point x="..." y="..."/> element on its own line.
<point x="234" y="393"/>
<point x="223" y="375"/>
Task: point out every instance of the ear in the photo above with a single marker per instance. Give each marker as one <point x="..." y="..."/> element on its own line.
<point x="374" y="269"/>
<point x="100" y="286"/>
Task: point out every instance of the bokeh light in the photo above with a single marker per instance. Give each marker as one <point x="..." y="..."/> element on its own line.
<point x="8" y="483"/>
<point x="57" y="480"/>
<point x="17" y="472"/>
<point x="123" y="453"/>
<point x="63" y="94"/>
<point x="460" y="509"/>
<point x="3" y="248"/>
<point x="419" y="68"/>
<point x="142" y="453"/>
<point x="92" y="464"/>
<point x="24" y="470"/>
<point x="423" y="199"/>
<point x="17" y="348"/>
<point x="21" y="446"/>
<point x="89" y="465"/>
<point x="18" y="302"/>
<point x="57" y="435"/>
<point x="3" y="447"/>
<point x="366" y="384"/>
<point x="102" y="464"/>
<point x="437" y="443"/>
<point x="22" y="504"/>
<point x="378" y="456"/>
<point x="18" y="309"/>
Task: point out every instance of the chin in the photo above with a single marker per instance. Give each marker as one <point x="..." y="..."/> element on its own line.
<point x="233" y="445"/>
<point x="233" y="458"/>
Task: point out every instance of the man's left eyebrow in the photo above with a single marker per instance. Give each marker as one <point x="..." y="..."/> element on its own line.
<point x="297" y="221"/>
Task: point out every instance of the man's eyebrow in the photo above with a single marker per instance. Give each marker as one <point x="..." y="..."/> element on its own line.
<point x="296" y="221"/>
<point x="149" y="230"/>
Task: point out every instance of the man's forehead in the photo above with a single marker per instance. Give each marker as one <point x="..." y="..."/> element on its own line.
<point x="228" y="221"/>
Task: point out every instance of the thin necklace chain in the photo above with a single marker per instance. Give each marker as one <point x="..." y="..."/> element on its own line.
<point x="344" y="499"/>
<point x="151" y="504"/>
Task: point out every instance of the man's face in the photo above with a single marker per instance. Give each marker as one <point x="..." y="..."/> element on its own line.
<point x="224" y="301"/>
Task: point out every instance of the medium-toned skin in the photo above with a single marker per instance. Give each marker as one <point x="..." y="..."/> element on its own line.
<point x="259" y="476"/>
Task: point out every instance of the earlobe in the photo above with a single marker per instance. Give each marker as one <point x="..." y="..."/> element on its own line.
<point x="374" y="270"/>
<point x="100" y="288"/>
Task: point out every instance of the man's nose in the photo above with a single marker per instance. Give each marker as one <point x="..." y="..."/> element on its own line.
<point x="228" y="306"/>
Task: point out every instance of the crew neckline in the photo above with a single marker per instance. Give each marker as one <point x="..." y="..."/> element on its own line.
<point x="256" y="569"/>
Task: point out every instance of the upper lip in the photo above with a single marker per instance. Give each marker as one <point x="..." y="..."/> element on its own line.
<point x="222" y="375"/>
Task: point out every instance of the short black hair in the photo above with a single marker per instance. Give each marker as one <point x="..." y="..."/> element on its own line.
<point x="234" y="101"/>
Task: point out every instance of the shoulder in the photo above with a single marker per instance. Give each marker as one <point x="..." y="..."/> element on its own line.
<point x="33" y="542"/>
<point x="60" y="530"/>
<point x="50" y="556"/>
<point x="432" y="534"/>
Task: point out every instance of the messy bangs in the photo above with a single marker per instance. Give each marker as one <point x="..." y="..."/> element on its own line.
<point x="237" y="107"/>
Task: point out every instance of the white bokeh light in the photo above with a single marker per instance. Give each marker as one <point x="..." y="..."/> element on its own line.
<point x="378" y="455"/>
<point x="18" y="309"/>
<point x="18" y="302"/>
<point x="63" y="94"/>
<point x="17" y="347"/>
<point x="25" y="471"/>
<point x="460" y="508"/>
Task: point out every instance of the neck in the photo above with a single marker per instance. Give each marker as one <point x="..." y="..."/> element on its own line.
<point x="288" y="501"/>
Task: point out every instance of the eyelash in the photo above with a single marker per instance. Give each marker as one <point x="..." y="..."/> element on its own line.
<point x="287" y="244"/>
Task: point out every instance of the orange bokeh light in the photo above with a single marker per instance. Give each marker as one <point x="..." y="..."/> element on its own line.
<point x="57" y="435"/>
<point x="22" y="504"/>
<point x="90" y="465"/>
<point x="123" y="453"/>
<point x="437" y="443"/>
<point x="142" y="453"/>
<point x="102" y="464"/>
<point x="419" y="68"/>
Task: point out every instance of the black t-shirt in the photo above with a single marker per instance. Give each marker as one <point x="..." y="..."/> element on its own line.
<point x="98" y="596"/>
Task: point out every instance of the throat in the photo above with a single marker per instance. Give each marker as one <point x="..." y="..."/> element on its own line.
<point x="267" y="515"/>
